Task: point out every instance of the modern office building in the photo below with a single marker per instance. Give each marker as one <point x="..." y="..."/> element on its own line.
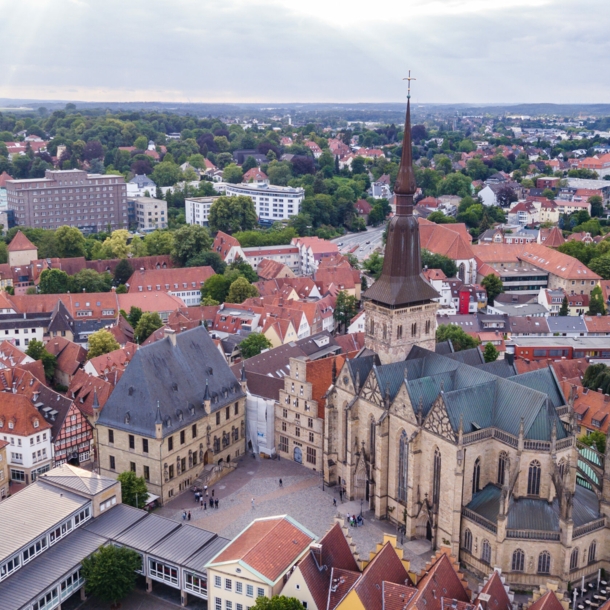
<point x="151" y="213"/>
<point x="72" y="197"/>
<point x="272" y="203"/>
<point x="197" y="210"/>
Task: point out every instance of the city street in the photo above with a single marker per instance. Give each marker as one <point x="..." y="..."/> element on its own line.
<point x="359" y="241"/>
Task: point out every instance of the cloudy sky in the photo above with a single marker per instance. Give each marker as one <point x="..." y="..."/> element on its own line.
<point x="479" y="51"/>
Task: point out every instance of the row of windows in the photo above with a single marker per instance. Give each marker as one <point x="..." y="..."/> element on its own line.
<point x="239" y="587"/>
<point x="399" y="329"/>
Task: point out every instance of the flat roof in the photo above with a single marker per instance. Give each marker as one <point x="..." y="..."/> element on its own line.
<point x="113" y="523"/>
<point x="59" y="560"/>
<point x="181" y="544"/>
<point x="575" y="342"/>
<point x="30" y="513"/>
<point x="198" y="561"/>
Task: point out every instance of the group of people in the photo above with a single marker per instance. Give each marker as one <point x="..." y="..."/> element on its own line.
<point x="203" y="500"/>
<point x="355" y="521"/>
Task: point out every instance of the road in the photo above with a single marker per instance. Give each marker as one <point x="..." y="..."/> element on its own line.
<point x="365" y="242"/>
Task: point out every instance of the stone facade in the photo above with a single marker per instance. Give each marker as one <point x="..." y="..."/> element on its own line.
<point x="171" y="464"/>
<point x="391" y="333"/>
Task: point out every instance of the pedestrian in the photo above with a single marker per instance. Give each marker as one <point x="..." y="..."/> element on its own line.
<point x="280" y="482"/>
<point x="189" y="517"/>
<point x="201" y="501"/>
<point x="205" y="488"/>
<point x="212" y="493"/>
<point x="216" y="503"/>
<point x="206" y="493"/>
<point x="183" y="515"/>
<point x="205" y="506"/>
<point x="334" y="501"/>
<point x="252" y="502"/>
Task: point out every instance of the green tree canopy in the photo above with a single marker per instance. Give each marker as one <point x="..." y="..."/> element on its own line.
<point x="101" y="342"/>
<point x="54" y="281"/>
<point x="373" y="265"/>
<point x="490" y="353"/>
<point x="345" y="309"/>
<point x="70" y="242"/>
<point x="166" y="173"/>
<point x="438" y="261"/>
<point x="208" y="259"/>
<point x="458" y="337"/>
<point x="231" y="214"/>
<point x="147" y="325"/>
<point x="564" y="310"/>
<point x="253" y="345"/>
<point x="493" y="285"/>
<point x="37" y="351"/>
<point x="232" y="173"/>
<point x="189" y="241"/>
<point x="597" y="440"/>
<point x="240" y="290"/>
<point x="216" y="288"/>
<point x="277" y="602"/>
<point x="596" y="302"/>
<point x="110" y="573"/>
<point x="89" y="280"/>
<point x="243" y="268"/>
<point x="134" y="315"/>
<point x="159" y="242"/>
<point x="123" y="271"/>
<point x="597" y="376"/>
<point x="133" y="489"/>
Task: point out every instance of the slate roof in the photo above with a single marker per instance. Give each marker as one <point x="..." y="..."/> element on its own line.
<point x="544" y="381"/>
<point x="171" y="378"/>
<point x="566" y="324"/>
<point x="77" y="479"/>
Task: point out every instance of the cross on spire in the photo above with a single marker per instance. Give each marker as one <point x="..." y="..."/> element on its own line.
<point x="409" y="79"/>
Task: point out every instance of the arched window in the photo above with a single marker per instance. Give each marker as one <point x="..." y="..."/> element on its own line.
<point x="562" y="467"/>
<point x="372" y="440"/>
<point x="468" y="540"/>
<point x="476" y="476"/>
<point x="372" y="327"/>
<point x="533" y="479"/>
<point x="574" y="559"/>
<point x="544" y="563"/>
<point x="428" y="325"/>
<point x="414" y="329"/>
<point x="399" y="331"/>
<point x="403" y="466"/>
<point x="592" y="550"/>
<point x="436" y="478"/>
<point x="385" y="331"/>
<point x="502" y="467"/>
<point x="486" y="552"/>
<point x="462" y="272"/>
<point x="518" y="561"/>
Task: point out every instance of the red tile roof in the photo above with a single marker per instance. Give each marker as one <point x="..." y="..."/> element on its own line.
<point x="3" y="178"/>
<point x="19" y="416"/>
<point x="70" y="356"/>
<point x="269" y="269"/>
<point x="495" y="588"/>
<point x="320" y="375"/>
<point x="452" y="240"/>
<point x="223" y="243"/>
<point x="83" y="388"/>
<point x="20" y="243"/>
<point x="165" y="280"/>
<point x="255" y="174"/>
<point x="263" y="546"/>
<point x="117" y="359"/>
<point x="548" y="601"/>
<point x="150" y="301"/>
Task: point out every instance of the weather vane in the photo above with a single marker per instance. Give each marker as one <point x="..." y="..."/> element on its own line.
<point x="409" y="79"/>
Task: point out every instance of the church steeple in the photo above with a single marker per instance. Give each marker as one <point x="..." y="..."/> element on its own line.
<point x="401" y="283"/>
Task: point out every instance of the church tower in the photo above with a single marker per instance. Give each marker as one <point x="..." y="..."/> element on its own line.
<point x="399" y="309"/>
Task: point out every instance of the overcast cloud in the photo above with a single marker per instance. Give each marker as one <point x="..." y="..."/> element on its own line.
<point x="480" y="51"/>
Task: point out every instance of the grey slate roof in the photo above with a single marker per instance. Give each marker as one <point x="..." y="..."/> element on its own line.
<point x="472" y="356"/>
<point x="544" y="381"/>
<point x="173" y="377"/>
<point x="181" y="544"/>
<point x="198" y="560"/>
<point x="113" y="523"/>
<point x="32" y="512"/>
<point x="567" y="324"/>
<point x="50" y="566"/>
<point x="77" y="479"/>
<point x="501" y="368"/>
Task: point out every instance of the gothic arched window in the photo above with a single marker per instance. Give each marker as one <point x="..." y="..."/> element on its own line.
<point x="592" y="550"/>
<point x="544" y="563"/>
<point x="533" y="479"/>
<point x="372" y="327"/>
<point x="518" y="561"/>
<point x="486" y="552"/>
<point x="574" y="559"/>
<point x="372" y="441"/>
<point x="385" y="331"/>
<point x="476" y="476"/>
<point x="403" y="466"/>
<point x="502" y="467"/>
<point x="436" y="478"/>
<point x="562" y="467"/>
<point x="468" y="540"/>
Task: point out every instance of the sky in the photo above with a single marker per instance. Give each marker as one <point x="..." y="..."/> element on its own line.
<point x="460" y="51"/>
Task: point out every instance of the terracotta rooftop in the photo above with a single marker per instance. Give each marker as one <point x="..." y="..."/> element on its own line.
<point x="20" y="242"/>
<point x="165" y="280"/>
<point x="548" y="601"/>
<point x="451" y="240"/>
<point x="262" y="546"/>
<point x="19" y="416"/>
<point x="83" y="389"/>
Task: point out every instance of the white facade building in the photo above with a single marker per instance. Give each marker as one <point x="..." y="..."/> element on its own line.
<point x="197" y="210"/>
<point x="271" y="202"/>
<point x="151" y="213"/>
<point x="139" y="185"/>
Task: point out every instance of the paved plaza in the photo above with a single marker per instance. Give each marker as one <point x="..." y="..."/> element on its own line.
<point x="301" y="497"/>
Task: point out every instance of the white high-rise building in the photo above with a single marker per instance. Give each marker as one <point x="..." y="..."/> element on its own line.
<point x="271" y="202"/>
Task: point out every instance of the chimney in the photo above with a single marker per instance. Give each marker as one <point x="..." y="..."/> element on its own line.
<point x="168" y="332"/>
<point x="316" y="550"/>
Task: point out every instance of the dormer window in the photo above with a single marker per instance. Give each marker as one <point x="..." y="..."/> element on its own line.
<point x="11" y="425"/>
<point x="36" y="423"/>
<point x="127" y="417"/>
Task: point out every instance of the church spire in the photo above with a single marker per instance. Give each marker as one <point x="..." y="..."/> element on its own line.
<point x="401" y="282"/>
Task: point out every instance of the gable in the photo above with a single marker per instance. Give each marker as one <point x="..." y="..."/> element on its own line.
<point x="370" y="391"/>
<point x="438" y="421"/>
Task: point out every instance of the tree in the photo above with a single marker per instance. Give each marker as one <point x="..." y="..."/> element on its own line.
<point x="231" y="214"/>
<point x="373" y="265"/>
<point x="277" y="602"/>
<point x="232" y="173"/>
<point x="458" y="337"/>
<point x="597" y="440"/>
<point x="248" y="164"/>
<point x="596" y="302"/>
<point x="133" y="489"/>
<point x="110" y="573"/>
<point x="208" y="259"/>
<point x="597" y="376"/>
<point x="141" y="143"/>
<point x="505" y="196"/>
<point x="116" y="246"/>
<point x="345" y="309"/>
<point x="134" y="315"/>
<point x="244" y="269"/>
<point x="490" y="353"/>
<point x="216" y="288"/>
<point x="564" y="309"/>
<point x="37" y="351"/>
<point x="455" y="184"/>
<point x="189" y="241"/>
<point x="101" y="342"/>
<point x="159" y="242"/>
<point x="137" y="247"/>
<point x="438" y="261"/>
<point x="166" y="173"/>
<point x="122" y="272"/>
<point x="493" y="285"/>
<point x="70" y="242"/>
<point x="599" y="265"/>
<point x="253" y="345"/>
<point x="53" y="281"/>
<point x="147" y="325"/>
<point x="240" y="290"/>
<point x="89" y="280"/>
<point x="597" y="205"/>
